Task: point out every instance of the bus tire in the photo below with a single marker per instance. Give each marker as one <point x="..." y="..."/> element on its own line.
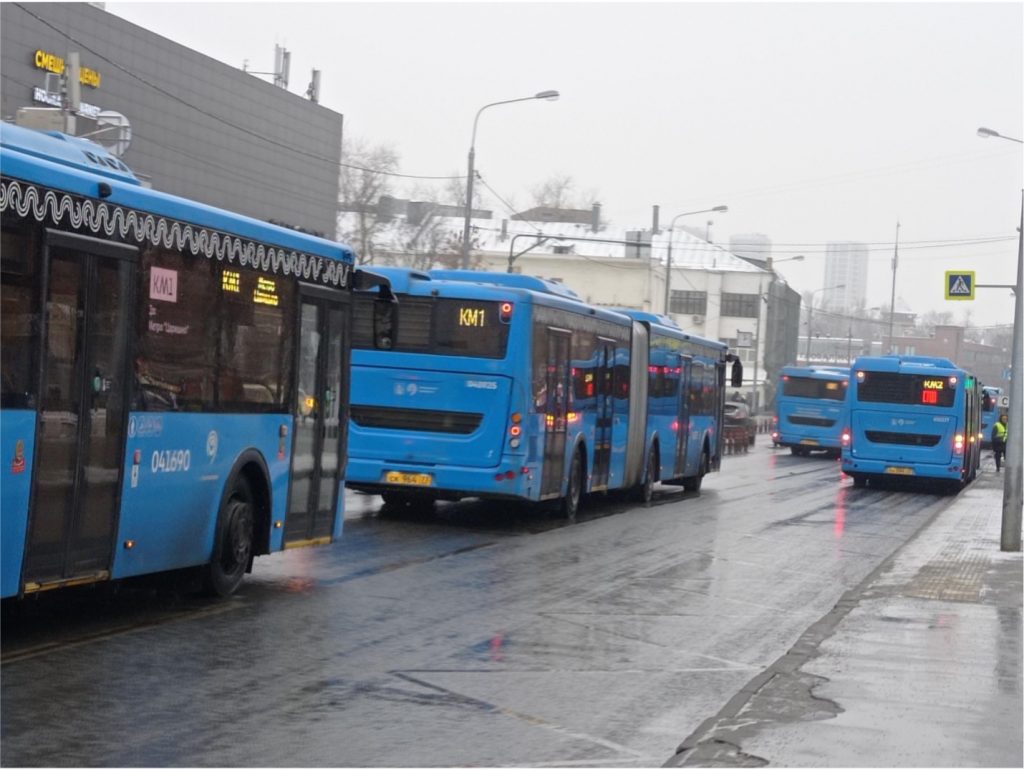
<point x="573" y="488"/>
<point x="645" y="489"/>
<point x="233" y="546"/>
<point x="693" y="483"/>
<point x="859" y="480"/>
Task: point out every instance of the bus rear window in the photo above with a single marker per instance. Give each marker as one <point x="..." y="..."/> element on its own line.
<point x="890" y="388"/>
<point x="806" y="387"/>
<point x="441" y="326"/>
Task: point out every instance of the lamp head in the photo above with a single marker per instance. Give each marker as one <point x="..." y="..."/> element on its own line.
<point x="985" y="133"/>
<point x="720" y="209"/>
<point x="549" y="95"/>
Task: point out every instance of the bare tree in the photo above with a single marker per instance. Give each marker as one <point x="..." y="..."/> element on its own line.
<point x="364" y="179"/>
<point x="555" y="192"/>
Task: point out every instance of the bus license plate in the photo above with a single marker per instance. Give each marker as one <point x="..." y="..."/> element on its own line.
<point x="899" y="470"/>
<point x="809" y="441"/>
<point x="412" y="479"/>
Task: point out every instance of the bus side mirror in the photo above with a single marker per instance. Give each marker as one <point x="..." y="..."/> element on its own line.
<point x="385" y="314"/>
<point x="737" y="374"/>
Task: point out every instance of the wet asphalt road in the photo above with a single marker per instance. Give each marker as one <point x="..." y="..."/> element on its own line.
<point x="480" y="636"/>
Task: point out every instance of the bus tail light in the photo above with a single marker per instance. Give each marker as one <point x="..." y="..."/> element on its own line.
<point x="505" y="312"/>
<point x="847" y="438"/>
<point x="958" y="444"/>
<point x="515" y="430"/>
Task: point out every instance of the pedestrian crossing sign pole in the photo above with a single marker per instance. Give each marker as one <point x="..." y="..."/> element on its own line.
<point x="960" y="284"/>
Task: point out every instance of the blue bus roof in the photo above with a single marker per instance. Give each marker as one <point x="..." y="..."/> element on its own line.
<point x="667" y="325"/>
<point x="511" y="280"/>
<point x="72" y="151"/>
<point x="61" y="162"/>
<point x="904" y="364"/>
<point x="817" y="372"/>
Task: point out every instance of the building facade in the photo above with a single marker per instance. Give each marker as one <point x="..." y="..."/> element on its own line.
<point x="195" y="127"/>
<point x="846" y="276"/>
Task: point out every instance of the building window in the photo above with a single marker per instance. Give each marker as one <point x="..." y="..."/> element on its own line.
<point x="739" y="305"/>
<point x="688" y="302"/>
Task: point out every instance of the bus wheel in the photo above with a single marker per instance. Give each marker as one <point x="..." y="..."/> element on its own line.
<point x="232" y="549"/>
<point x="571" y="501"/>
<point x="859" y="480"/>
<point x="693" y="483"/>
<point x="645" y="490"/>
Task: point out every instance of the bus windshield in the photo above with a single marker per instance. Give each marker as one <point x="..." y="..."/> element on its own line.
<point x="806" y="387"/>
<point x="438" y="325"/>
<point x="892" y="388"/>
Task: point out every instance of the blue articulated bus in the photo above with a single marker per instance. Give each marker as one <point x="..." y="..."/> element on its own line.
<point x="912" y="417"/>
<point x="810" y="409"/>
<point x="174" y="376"/>
<point x="990" y="411"/>
<point x="506" y="386"/>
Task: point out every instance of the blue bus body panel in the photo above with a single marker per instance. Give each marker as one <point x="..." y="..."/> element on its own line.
<point x="17" y="449"/>
<point x="481" y="398"/>
<point x="906" y="439"/>
<point x="171" y="497"/>
<point x="811" y="422"/>
<point x="21" y="164"/>
<point x="989" y="416"/>
<point x="872" y="457"/>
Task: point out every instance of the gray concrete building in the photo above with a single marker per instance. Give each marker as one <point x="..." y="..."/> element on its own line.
<point x="198" y="128"/>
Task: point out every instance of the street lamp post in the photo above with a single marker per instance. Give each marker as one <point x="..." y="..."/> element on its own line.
<point x="1010" y="535"/>
<point x="810" y="313"/>
<point x="757" y="326"/>
<point x="549" y="95"/>
<point x="985" y="133"/>
<point x="671" y="232"/>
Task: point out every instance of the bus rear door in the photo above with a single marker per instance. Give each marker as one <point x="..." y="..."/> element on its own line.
<point x="556" y="412"/>
<point x="76" y="486"/>
<point x="321" y="420"/>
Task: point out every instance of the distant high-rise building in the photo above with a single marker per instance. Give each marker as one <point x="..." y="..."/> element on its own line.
<point x="753" y="247"/>
<point x="846" y="266"/>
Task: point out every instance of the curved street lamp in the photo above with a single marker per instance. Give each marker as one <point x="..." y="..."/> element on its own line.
<point x="810" y="312"/>
<point x="1013" y="480"/>
<point x="547" y="95"/>
<point x="671" y="232"/>
<point x="985" y="133"/>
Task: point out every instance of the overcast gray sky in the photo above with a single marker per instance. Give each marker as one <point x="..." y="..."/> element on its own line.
<point x="811" y="121"/>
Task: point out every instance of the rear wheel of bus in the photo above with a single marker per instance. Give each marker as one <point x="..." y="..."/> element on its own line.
<point x="232" y="549"/>
<point x="645" y="490"/>
<point x="693" y="483"/>
<point x="574" y="488"/>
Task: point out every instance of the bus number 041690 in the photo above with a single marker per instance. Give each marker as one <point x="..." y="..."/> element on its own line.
<point x="171" y="460"/>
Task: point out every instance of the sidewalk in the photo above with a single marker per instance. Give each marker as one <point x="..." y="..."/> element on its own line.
<point x="919" y="666"/>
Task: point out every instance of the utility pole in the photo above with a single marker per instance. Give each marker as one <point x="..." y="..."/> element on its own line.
<point x="892" y="298"/>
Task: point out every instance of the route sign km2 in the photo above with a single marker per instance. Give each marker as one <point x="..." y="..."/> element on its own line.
<point x="959" y="284"/>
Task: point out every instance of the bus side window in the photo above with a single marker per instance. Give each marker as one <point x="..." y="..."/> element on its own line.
<point x="385" y="313"/>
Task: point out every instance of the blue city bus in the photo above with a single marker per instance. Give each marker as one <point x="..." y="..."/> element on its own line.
<point x="174" y="376"/>
<point x="810" y="411"/>
<point x="990" y="412"/>
<point x="685" y="401"/>
<point x="506" y="386"/>
<point x="912" y="417"/>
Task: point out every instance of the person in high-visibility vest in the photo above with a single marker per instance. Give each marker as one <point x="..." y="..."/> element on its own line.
<point x="999" y="440"/>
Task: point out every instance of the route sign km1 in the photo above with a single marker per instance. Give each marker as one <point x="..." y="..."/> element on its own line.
<point x="959" y="284"/>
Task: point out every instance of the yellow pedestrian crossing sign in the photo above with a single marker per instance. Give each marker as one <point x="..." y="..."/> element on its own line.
<point x="959" y="284"/>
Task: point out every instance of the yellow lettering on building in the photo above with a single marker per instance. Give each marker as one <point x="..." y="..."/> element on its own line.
<point x="53" y="63"/>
